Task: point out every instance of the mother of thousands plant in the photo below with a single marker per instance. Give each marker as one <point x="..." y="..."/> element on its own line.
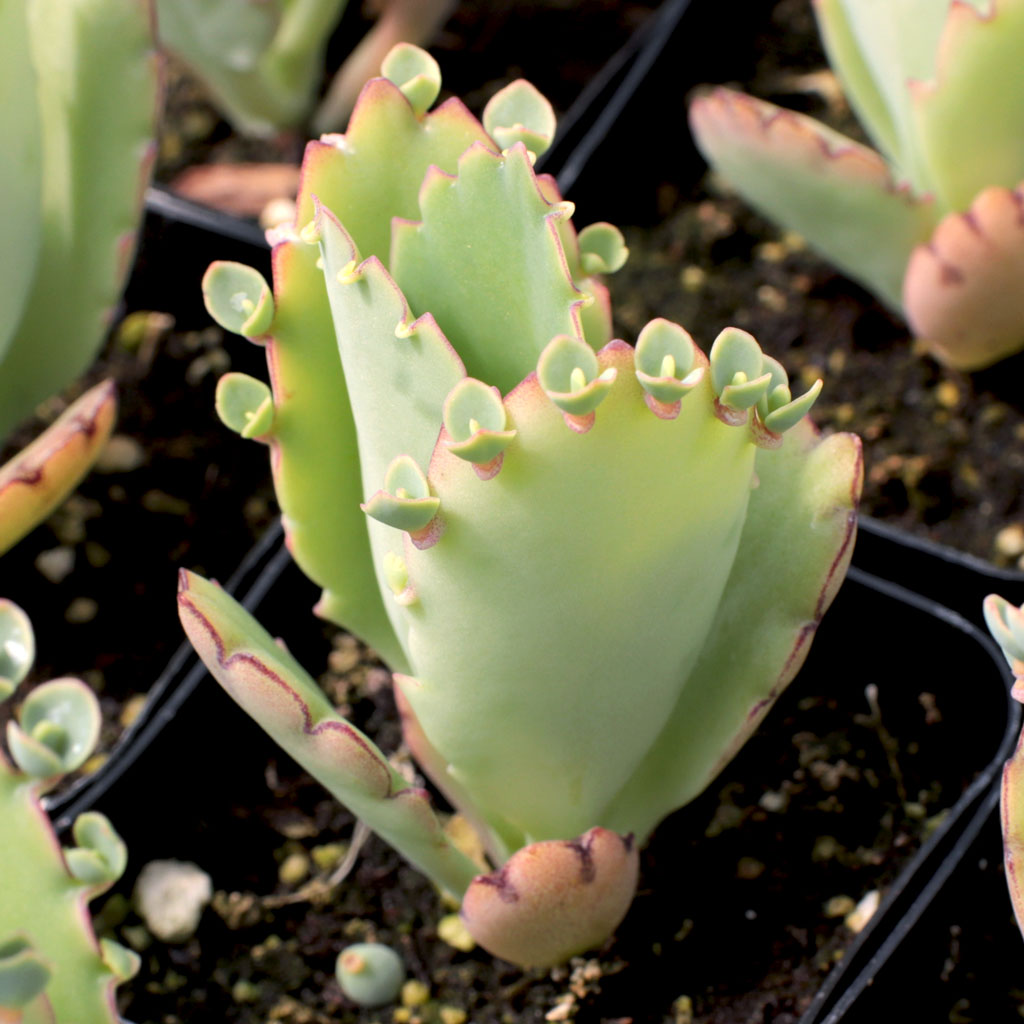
<point x="932" y="220"/>
<point x="592" y="567"/>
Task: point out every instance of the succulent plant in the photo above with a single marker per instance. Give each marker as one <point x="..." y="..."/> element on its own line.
<point x="592" y="567"/>
<point x="52" y="967"/>
<point x="931" y="221"/>
<point x="80" y="87"/>
<point x="1006" y="624"/>
<point x="263" y="60"/>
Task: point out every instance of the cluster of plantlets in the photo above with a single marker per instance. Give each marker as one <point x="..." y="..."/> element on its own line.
<point x="931" y="221"/>
<point x="78" y="119"/>
<point x="519" y="513"/>
<point x="52" y="967"/>
<point x="263" y="60"/>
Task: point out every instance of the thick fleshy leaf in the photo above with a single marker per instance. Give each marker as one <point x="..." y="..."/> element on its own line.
<point x="555" y="899"/>
<point x="835" y="192"/>
<point x="100" y="856"/>
<point x="97" y="151"/>
<point x="274" y="689"/>
<point x="262" y="62"/>
<point x="58" y="728"/>
<point x="493" y="207"/>
<point x="39" y="478"/>
<point x="636" y="522"/>
<point x="796" y="544"/>
<point x="44" y="907"/>
<point x="21" y="154"/>
<point x="315" y="455"/>
<point x="962" y="292"/>
<point x="967" y="116"/>
<point x="877" y="47"/>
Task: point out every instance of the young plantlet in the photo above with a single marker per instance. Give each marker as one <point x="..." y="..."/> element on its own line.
<point x="592" y="567"/>
<point x="931" y="221"/>
<point x="1006" y="624"/>
<point x="77" y="146"/>
<point x="52" y="967"/>
<point x="263" y="60"/>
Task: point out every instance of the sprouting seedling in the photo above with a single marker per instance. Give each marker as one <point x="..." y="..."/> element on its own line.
<point x="370" y="973"/>
<point x="930" y="221"/>
<point x="563" y="545"/>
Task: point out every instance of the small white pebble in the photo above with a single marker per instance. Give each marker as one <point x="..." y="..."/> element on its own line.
<point x="863" y="912"/>
<point x="121" y="454"/>
<point x="170" y="896"/>
<point x="56" y="563"/>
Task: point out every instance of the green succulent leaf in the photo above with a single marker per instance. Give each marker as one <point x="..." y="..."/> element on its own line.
<point x="17" y="647"/>
<point x="475" y="419"/>
<point x="97" y="149"/>
<point x="416" y="73"/>
<point x="101" y="856"/>
<point x="571" y="377"/>
<point x="836" y="193"/>
<point x="405" y="502"/>
<point x="665" y="357"/>
<point x="494" y="208"/>
<point x="519" y="113"/>
<point x="238" y="298"/>
<point x="122" y="963"/>
<point x="273" y="688"/>
<point x="245" y="405"/>
<point x="602" y="248"/>
<point x="58" y="727"/>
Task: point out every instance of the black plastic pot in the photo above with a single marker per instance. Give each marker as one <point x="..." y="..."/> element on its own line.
<point x="949" y="577"/>
<point x="959" y="954"/>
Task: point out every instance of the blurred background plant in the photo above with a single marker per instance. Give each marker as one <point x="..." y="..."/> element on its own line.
<point x="931" y="221"/>
<point x="80" y="88"/>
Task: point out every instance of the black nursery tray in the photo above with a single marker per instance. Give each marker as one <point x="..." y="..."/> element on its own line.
<point x="723" y="913"/>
